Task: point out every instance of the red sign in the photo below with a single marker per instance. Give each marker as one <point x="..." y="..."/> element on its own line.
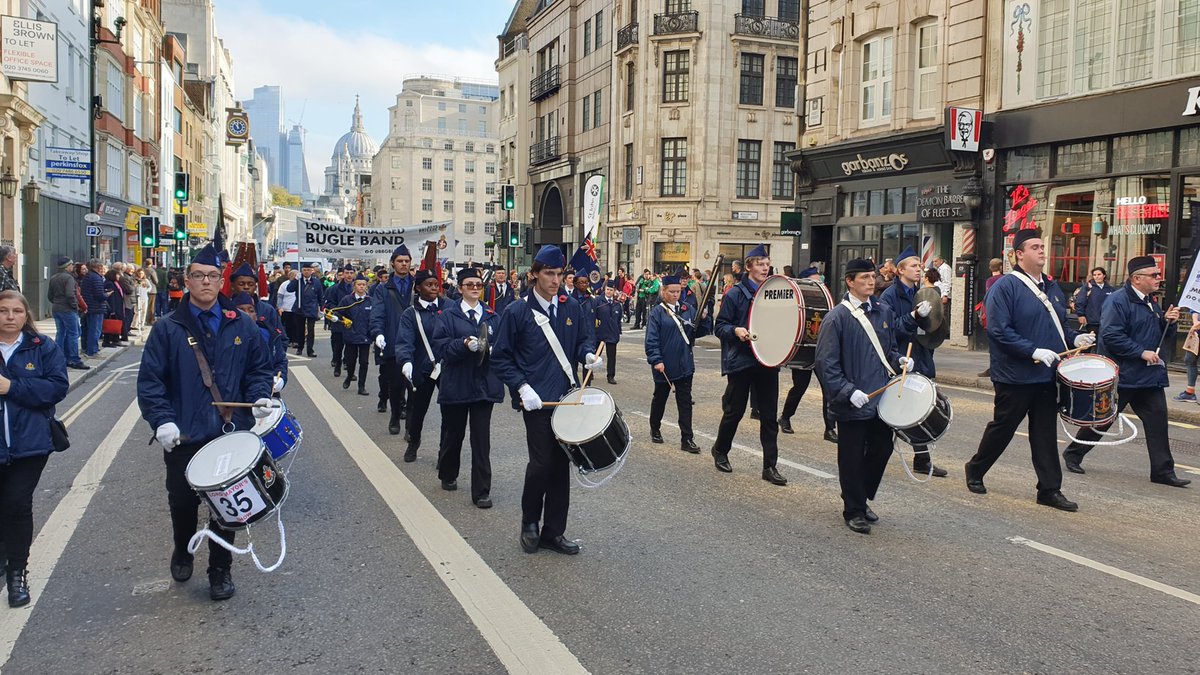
<point x="1143" y="211"/>
<point x="1018" y="217"/>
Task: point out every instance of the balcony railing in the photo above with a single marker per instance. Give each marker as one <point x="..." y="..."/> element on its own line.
<point x="545" y="84"/>
<point x="544" y="151"/>
<point x="765" y="26"/>
<point x="680" y="22"/>
<point x="627" y="36"/>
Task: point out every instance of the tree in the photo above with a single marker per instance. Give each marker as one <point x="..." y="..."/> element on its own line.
<point x="281" y="197"/>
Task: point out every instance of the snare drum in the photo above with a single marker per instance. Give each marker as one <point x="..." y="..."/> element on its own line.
<point x="785" y="319"/>
<point x="594" y="435"/>
<point x="280" y="431"/>
<point x="916" y="410"/>
<point x="1087" y="390"/>
<point x="238" y="478"/>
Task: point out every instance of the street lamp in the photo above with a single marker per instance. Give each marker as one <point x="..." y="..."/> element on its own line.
<point x="973" y="194"/>
<point x="8" y="185"/>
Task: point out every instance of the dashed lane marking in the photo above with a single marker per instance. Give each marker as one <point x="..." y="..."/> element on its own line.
<point x="1182" y="425"/>
<point x="1189" y="469"/>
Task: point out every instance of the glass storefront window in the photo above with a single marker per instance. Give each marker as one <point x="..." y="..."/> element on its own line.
<point x="672" y="256"/>
<point x="894" y="201"/>
<point x="1142" y="152"/>
<point x="849" y="233"/>
<point x="910" y="199"/>
<point x="1027" y="164"/>
<point x="1081" y="159"/>
<point x="858" y="204"/>
<point x="875" y="205"/>
<point x="1189" y="146"/>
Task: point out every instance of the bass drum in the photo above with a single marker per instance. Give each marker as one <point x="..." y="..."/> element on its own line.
<point x="785" y="319"/>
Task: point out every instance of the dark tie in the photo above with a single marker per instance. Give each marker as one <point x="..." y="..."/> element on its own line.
<point x="471" y="313"/>
<point x="1042" y="286"/>
<point x="550" y="311"/>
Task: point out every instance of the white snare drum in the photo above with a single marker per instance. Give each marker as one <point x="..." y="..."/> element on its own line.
<point x="594" y="435"/>
<point x="237" y="476"/>
<point x="785" y="319"/>
<point x="916" y="410"/>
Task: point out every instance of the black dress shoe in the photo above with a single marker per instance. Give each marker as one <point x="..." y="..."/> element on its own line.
<point x="312" y="355"/>
<point x="936" y="472"/>
<point x="1172" y="480"/>
<point x="530" y="537"/>
<point x="754" y="414"/>
<point x="394" y="428"/>
<point x="721" y="461"/>
<point x="79" y="365"/>
<point x="974" y="484"/>
<point x="354" y="378"/>
<point x="772" y="475"/>
<point x="449" y="485"/>
<point x="346" y="383"/>
<point x="410" y="455"/>
<point x="362" y="391"/>
<point x="382" y="407"/>
<point x="612" y="380"/>
<point x="484" y="502"/>
<point x="689" y="445"/>
<point x="1072" y="462"/>
<point x="18" y="588"/>
<point x="181" y="566"/>
<point x="859" y="525"/>
<point x="337" y="371"/>
<point x="656" y="436"/>
<point x="785" y="425"/>
<point x="871" y="516"/>
<point x="559" y="544"/>
<point x="831" y="435"/>
<point x="220" y="584"/>
<point x="1058" y="501"/>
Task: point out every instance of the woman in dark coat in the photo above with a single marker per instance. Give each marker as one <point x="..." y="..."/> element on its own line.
<point x="116" y="305"/>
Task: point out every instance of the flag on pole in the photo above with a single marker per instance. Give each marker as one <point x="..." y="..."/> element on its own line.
<point x="430" y="260"/>
<point x="219" y="234"/>
<point x="585" y="262"/>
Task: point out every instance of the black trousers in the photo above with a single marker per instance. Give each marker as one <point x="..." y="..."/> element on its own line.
<point x="610" y="358"/>
<point x="1013" y="403"/>
<point x="418" y="406"/>
<point x="547" y="494"/>
<point x="337" y="342"/>
<point x="393" y="387"/>
<point x="639" y="314"/>
<point x="765" y="383"/>
<point x="683" y="402"/>
<point x="185" y="503"/>
<point x="801" y="378"/>
<point x="306" y="332"/>
<point x="18" y="481"/>
<point x="864" y="447"/>
<point x="455" y="420"/>
<point x="289" y="328"/>
<point x="1151" y="408"/>
<point x="360" y="354"/>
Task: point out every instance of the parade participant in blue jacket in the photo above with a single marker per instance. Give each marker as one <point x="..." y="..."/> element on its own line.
<point x="500" y="292"/>
<point x="245" y="280"/>
<point x="1089" y="300"/>
<point x="1133" y="328"/>
<point x="848" y="366"/>
<point x="524" y="358"/>
<point x="333" y="299"/>
<point x="356" y="339"/>
<point x="467" y="388"/>
<point x="33" y="379"/>
<point x="1027" y="329"/>
<point x="899" y="298"/>
<point x="801" y="378"/>
<point x="175" y="401"/>
<point x="745" y="373"/>
<point x="311" y="294"/>
<point x="414" y="353"/>
<point x="272" y="338"/>
<point x="607" y="312"/>
<point x="671" y="332"/>
<point x="389" y="302"/>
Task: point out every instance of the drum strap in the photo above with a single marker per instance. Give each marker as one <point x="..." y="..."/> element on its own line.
<point x="863" y="321"/>
<point x="678" y="324"/>
<point x="437" y="367"/>
<point x="543" y="322"/>
<point x="206" y="375"/>
<point x="1037" y="292"/>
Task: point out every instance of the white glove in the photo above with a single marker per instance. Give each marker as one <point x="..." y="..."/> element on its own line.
<point x="593" y="362"/>
<point x="1085" y="340"/>
<point x="167" y="436"/>
<point x="906" y="364"/>
<point x="380" y="342"/>
<point x="858" y="399"/>
<point x="406" y="371"/>
<point x="1046" y="356"/>
<point x="278" y="385"/>
<point x="529" y="398"/>
<point x="262" y="407"/>
<point x="924" y="308"/>
<point x="473" y="343"/>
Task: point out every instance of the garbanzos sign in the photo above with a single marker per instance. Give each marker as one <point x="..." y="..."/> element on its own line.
<point x="884" y="157"/>
<point x="894" y="162"/>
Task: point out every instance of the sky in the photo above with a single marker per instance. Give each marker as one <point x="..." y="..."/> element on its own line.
<point x="324" y="53"/>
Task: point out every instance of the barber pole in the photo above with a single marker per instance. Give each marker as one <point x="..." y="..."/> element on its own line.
<point x="926" y="251"/>
<point x="969" y="241"/>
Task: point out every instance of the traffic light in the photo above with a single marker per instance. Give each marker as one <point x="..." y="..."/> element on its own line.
<point x="508" y="197"/>
<point x="180" y="227"/>
<point x="182" y="186"/>
<point x="148" y="227"/>
<point x="514" y="234"/>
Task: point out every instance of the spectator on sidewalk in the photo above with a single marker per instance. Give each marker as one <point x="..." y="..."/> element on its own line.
<point x="1189" y="360"/>
<point x="62" y="292"/>
<point x="996" y="267"/>
<point x="1089" y="300"/>
<point x="128" y="297"/>
<point x="97" y="305"/>
<point x="8" y="259"/>
<point x="151" y="273"/>
<point x="142" y="289"/>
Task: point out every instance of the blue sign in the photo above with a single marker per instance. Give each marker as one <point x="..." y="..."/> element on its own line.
<point x="93" y="230"/>
<point x="68" y="163"/>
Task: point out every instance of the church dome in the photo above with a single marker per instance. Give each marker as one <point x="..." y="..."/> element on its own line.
<point x="357" y="143"/>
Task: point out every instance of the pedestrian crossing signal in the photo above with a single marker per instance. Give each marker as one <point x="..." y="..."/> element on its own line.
<point x="514" y="234"/>
<point x="148" y="227"/>
<point x="182" y="186"/>
<point x="508" y="195"/>
<point x="180" y="227"/>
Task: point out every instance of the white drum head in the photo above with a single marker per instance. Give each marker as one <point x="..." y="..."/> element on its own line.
<point x="905" y="405"/>
<point x="1089" y="369"/>
<point x="268" y="423"/>
<point x="224" y="459"/>
<point x="581" y="423"/>
<point x="775" y="318"/>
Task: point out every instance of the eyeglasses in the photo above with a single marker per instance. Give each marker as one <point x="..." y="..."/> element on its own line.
<point x="214" y="277"/>
<point x="1155" y="275"/>
<point x="472" y="285"/>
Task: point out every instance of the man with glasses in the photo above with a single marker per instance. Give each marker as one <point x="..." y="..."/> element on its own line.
<point x="1132" y="330"/>
<point x="392" y="297"/>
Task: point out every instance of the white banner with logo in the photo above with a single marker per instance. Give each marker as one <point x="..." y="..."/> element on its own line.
<point x="1190" y="298"/>
<point x="333" y="240"/>
<point x="593" y="198"/>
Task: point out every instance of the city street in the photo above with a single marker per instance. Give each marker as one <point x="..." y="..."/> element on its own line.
<point x="683" y="569"/>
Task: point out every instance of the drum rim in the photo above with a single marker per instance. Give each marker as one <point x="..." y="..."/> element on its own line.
<point x="1088" y="386"/>
<point x="607" y="424"/>
<point x="234" y="479"/>
<point x="886" y="396"/>
<point x="799" y="324"/>
<point x="263" y="423"/>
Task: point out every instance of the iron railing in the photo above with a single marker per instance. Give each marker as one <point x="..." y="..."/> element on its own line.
<point x="545" y="84"/>
<point x="765" y="26"/>
<point x="544" y="151"/>
<point x="627" y="36"/>
<point x="679" y="22"/>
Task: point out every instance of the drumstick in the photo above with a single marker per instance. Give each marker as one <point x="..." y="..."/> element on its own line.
<point x="228" y="404"/>
<point x="554" y="404"/>
<point x="881" y="389"/>
<point x="1072" y="352"/>
<point x="588" y="377"/>
<point x="907" y="355"/>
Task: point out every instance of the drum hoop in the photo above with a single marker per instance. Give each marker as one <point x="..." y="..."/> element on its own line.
<point x="799" y="324"/>
<point x="1088" y="386"/>
<point x="262" y="447"/>
<point x="598" y="434"/>
<point x="932" y="404"/>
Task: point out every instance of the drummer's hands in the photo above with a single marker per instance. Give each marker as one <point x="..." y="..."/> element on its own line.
<point x="660" y="368"/>
<point x="406" y="370"/>
<point x="1046" y="356"/>
<point x="924" y="308"/>
<point x="906" y="364"/>
<point x="1151" y="358"/>
<point x="167" y="436"/>
<point x="1085" y="340"/>
<point x="1172" y="314"/>
<point x="277" y="385"/>
<point x="380" y="341"/>
<point x="742" y="334"/>
<point x="593" y="362"/>
<point x="262" y="408"/>
<point x="529" y="398"/>
<point x="472" y="343"/>
<point x="858" y="399"/>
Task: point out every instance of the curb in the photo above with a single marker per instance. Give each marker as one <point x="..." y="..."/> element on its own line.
<point x="96" y="367"/>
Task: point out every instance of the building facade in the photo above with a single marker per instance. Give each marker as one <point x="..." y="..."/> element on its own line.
<point x="513" y="129"/>
<point x="349" y="168"/>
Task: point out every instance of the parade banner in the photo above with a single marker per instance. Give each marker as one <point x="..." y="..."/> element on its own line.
<point x="1190" y="298"/>
<point x="333" y="240"/>
<point x="593" y="197"/>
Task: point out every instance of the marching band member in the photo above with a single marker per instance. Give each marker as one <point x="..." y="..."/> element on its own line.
<point x="801" y="378"/>
<point x="468" y="389"/>
<point x="500" y="293"/>
<point x="899" y="297"/>
<point x="245" y="280"/>
<point x="309" y="293"/>
<point x="745" y="373"/>
<point x="536" y="357"/>
<point x="414" y="353"/>
<point x="1027" y="328"/>
<point x="608" y="312"/>
<point x="1132" y="328"/>
<point x="205" y="333"/>
<point x="356" y="307"/>
<point x="272" y="337"/>
<point x="333" y="298"/>
<point x="671" y="332"/>
<point x="856" y="354"/>
<point x="392" y="298"/>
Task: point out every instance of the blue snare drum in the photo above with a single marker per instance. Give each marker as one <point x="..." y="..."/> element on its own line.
<point x="280" y="431"/>
<point x="1087" y="390"/>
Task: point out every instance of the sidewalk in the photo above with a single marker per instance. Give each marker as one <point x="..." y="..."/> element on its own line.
<point x="78" y="377"/>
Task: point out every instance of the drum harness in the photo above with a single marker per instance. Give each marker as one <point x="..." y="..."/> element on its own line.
<point x="437" y="366"/>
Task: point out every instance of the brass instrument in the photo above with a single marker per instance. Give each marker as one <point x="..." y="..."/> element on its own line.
<point x="708" y="292"/>
<point x="331" y="316"/>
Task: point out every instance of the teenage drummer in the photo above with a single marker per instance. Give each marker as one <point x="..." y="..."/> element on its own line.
<point x="1132" y="330"/>
<point x="356" y="338"/>
<point x="205" y="333"/>
<point x="391" y="298"/>
<point x="245" y="280"/>
<point x="414" y="353"/>
<point x="537" y="359"/>
<point x="671" y="331"/>
<point x="744" y="373"/>
<point x="856" y="354"/>
<point x="608" y="311"/>
<point x="899" y="297"/>
<point x="273" y="338"/>
<point x="1027" y="329"/>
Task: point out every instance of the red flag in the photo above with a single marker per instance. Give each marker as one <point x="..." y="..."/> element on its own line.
<point x="264" y="289"/>
<point x="430" y="261"/>
<point x="226" y="289"/>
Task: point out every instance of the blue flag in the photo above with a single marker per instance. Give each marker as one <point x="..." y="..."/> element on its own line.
<point x="584" y="262"/>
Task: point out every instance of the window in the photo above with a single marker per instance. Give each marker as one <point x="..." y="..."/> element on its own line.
<point x="447" y="165"/>
<point x="441" y="105"/>
<point x="674" y="167"/>
<point x="469" y="207"/>
<point x="749" y="156"/>
<point x="427" y="205"/>
<point x="752" y="79"/>
<point x="587" y="37"/>
<point x="676" y="77"/>
<point x="135" y="180"/>
<point x="114" y="102"/>
<point x="789" y="10"/>
<point x="490" y="149"/>
<point x="489" y="228"/>
<point x="427" y="185"/>
<point x="754" y="8"/>
<point x="876" y="83"/>
<point x="490" y="208"/>
<point x="447" y="186"/>
<point x="599" y="29"/>
<point x="462" y="108"/>
<point x="628" y="171"/>
<point x="483" y="109"/>
<point x="469" y="187"/>
<point x="177" y="121"/>
<point x="783" y="181"/>
<point x="470" y="166"/>
<point x="925" y="78"/>
<point x="441" y="123"/>
<point x="490" y="168"/>
<point x="469" y="146"/>
<point x="115" y="161"/>
<point x="469" y="227"/>
<point x="447" y="206"/>
<point x="677" y="6"/>
<point x="1135" y="40"/>
<point x="596" y="109"/>
<point x="448" y="145"/>
<point x="427" y="163"/>
<point x="587" y="112"/>
<point x="1143" y="152"/>
<point x="469" y="249"/>
<point x="489" y="189"/>
<point x="786" y="68"/>
<point x="629" y="75"/>
<point x="1081" y="159"/>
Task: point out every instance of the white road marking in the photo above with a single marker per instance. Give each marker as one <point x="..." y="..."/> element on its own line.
<point x="1108" y="569"/>
<point x="522" y="642"/>
<point x="967" y="390"/>
<point x="757" y="453"/>
<point x="1189" y="469"/>
<point x="61" y="525"/>
<point x="90" y="398"/>
<point x="1182" y="425"/>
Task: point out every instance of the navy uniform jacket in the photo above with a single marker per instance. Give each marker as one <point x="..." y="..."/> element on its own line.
<point x="735" y="311"/>
<point x="391" y="299"/>
<point x="608" y="316"/>
<point x="277" y="341"/>
<point x="899" y="298"/>
<point x="1129" y="327"/>
<point x="585" y="302"/>
<point x="359" y="313"/>
<point x="311" y="296"/>
<point x="846" y="359"/>
<point x="170" y="388"/>
<point x="333" y="298"/>
<point x="462" y="379"/>
<point x="522" y="355"/>
<point x="1018" y="323"/>
<point x="1090" y="300"/>
<point x="38" y="374"/>
<point x="665" y="345"/>
<point x="497" y="300"/>
<point x="409" y="347"/>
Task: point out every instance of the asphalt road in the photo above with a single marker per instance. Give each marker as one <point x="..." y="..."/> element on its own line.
<point x="683" y="569"/>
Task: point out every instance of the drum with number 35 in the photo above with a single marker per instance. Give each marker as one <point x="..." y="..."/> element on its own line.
<point x="238" y="478"/>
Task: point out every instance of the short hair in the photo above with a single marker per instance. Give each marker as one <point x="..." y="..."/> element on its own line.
<point x="995" y="264"/>
<point x="1101" y="270"/>
<point x="933" y="275"/>
<point x="30" y="325"/>
<point x="93" y="263"/>
<point x="4" y="253"/>
<point x="753" y="259"/>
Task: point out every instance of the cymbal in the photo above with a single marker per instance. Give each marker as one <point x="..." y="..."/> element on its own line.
<point x="932" y="325"/>
<point x="484" y="352"/>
